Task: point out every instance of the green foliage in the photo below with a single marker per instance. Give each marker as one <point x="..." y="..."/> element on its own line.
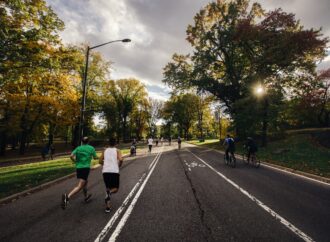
<point x="122" y="101"/>
<point x="236" y="46"/>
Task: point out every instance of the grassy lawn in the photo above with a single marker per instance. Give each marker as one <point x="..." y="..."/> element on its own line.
<point x="14" y="179"/>
<point x="297" y="151"/>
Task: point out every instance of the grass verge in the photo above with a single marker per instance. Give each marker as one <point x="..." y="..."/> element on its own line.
<point x="297" y="151"/>
<point x="14" y="179"/>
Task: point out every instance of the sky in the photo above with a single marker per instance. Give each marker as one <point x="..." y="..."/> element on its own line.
<point x="157" y="29"/>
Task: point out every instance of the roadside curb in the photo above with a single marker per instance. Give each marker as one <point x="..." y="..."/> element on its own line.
<point x="282" y="168"/>
<point x="301" y="173"/>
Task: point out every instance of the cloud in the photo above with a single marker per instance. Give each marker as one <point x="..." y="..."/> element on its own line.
<point x="157" y="29"/>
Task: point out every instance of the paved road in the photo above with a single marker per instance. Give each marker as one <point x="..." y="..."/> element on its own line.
<point x="178" y="195"/>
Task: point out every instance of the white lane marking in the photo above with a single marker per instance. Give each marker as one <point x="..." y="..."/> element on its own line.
<point x="278" y="169"/>
<point x="129" y="210"/>
<point x="192" y="165"/>
<point x="292" y="173"/>
<point x="286" y="223"/>
<point x="111" y="222"/>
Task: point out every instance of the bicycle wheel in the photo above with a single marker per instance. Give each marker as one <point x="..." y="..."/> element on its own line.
<point x="245" y="160"/>
<point x="232" y="161"/>
<point x="256" y="161"/>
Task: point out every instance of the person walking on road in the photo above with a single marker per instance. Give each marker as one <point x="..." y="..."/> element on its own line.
<point x="157" y="141"/>
<point x="82" y="156"/>
<point x="150" y="141"/>
<point x="179" y="142"/>
<point x="111" y="160"/>
<point x="44" y="152"/>
<point x="161" y="141"/>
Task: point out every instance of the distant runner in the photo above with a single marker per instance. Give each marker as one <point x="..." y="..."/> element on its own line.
<point x="111" y="159"/>
<point x="150" y="141"/>
<point x="82" y="156"/>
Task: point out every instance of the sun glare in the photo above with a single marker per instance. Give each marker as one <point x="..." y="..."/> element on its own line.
<point x="259" y="90"/>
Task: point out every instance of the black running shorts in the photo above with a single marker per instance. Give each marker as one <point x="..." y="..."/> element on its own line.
<point x="82" y="173"/>
<point x="111" y="180"/>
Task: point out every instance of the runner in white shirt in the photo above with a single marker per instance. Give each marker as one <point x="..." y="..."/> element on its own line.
<point x="150" y="140"/>
<point x="111" y="159"/>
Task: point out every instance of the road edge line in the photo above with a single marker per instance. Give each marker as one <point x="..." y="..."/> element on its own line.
<point x="305" y="175"/>
<point x="278" y="217"/>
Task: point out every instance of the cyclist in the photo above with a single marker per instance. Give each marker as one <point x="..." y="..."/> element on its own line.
<point x="230" y="146"/>
<point x="251" y="147"/>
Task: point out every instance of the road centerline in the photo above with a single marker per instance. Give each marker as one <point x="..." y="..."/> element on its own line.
<point x="117" y="214"/>
<point x="130" y="208"/>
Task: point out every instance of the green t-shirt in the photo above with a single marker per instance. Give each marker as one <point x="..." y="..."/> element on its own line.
<point x="84" y="154"/>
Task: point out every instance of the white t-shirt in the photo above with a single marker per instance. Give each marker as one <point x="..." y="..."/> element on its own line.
<point x="150" y="140"/>
<point x="110" y="164"/>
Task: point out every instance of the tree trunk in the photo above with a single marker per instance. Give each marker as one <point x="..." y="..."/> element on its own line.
<point x="75" y="134"/>
<point x="23" y="140"/>
<point x="265" y="123"/>
<point x="124" y="129"/>
<point x="50" y="134"/>
<point x="3" y="143"/>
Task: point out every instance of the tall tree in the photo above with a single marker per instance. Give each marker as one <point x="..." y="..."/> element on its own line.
<point x="237" y="45"/>
<point x="125" y="94"/>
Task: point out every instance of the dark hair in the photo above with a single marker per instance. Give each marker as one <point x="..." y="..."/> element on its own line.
<point x="112" y="142"/>
<point x="85" y="140"/>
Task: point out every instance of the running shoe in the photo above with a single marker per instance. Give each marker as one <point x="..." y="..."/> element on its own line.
<point x="65" y="201"/>
<point x="88" y="198"/>
<point x="107" y="210"/>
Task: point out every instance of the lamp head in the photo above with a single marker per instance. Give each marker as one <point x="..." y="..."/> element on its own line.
<point x="126" y="40"/>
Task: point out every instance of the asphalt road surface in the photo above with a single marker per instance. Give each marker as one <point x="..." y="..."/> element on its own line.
<point x="178" y="195"/>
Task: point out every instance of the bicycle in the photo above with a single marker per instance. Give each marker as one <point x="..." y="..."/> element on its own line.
<point x="255" y="162"/>
<point x="231" y="161"/>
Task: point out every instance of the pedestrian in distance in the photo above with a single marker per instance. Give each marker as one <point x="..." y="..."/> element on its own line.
<point x="133" y="148"/>
<point x="161" y="141"/>
<point x="51" y="151"/>
<point x="156" y="141"/>
<point x="179" y="143"/>
<point x="44" y="152"/>
<point x="82" y="157"/>
<point x="150" y="141"/>
<point x="111" y="160"/>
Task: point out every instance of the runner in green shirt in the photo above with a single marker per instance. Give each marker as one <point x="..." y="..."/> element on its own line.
<point x="82" y="156"/>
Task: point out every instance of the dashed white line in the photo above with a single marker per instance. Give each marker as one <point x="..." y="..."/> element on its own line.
<point x="285" y="222"/>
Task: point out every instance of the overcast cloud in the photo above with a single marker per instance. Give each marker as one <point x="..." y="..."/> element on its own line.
<point x="157" y="29"/>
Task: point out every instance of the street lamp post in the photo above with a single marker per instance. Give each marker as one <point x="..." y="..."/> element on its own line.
<point x="83" y="101"/>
